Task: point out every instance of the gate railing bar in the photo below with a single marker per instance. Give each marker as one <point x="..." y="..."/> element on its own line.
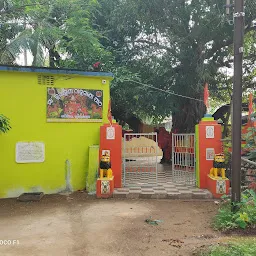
<point x="183" y="157"/>
<point x="148" y="155"/>
<point x="140" y="134"/>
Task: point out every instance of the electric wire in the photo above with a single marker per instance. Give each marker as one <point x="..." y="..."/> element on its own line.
<point x="165" y="91"/>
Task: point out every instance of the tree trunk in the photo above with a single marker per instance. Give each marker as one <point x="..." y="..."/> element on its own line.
<point x="226" y="120"/>
<point x="190" y="113"/>
<point x="54" y="58"/>
<point x="133" y="122"/>
<point x="51" y="58"/>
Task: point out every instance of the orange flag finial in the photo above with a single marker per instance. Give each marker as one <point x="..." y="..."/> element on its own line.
<point x="109" y="113"/>
<point x="206" y="96"/>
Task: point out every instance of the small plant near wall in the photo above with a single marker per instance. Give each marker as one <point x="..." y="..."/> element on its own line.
<point x="245" y="217"/>
<point x="250" y="147"/>
<point x="4" y="124"/>
<point x="237" y="247"/>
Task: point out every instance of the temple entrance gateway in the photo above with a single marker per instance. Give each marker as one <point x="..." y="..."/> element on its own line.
<point x="142" y="156"/>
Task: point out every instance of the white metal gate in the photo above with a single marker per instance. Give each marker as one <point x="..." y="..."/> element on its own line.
<point x="183" y="159"/>
<point x="140" y="157"/>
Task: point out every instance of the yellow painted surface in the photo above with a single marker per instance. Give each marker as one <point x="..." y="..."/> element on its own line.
<point x="23" y="100"/>
<point x="92" y="174"/>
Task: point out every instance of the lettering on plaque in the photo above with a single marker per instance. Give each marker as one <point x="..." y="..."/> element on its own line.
<point x="30" y="152"/>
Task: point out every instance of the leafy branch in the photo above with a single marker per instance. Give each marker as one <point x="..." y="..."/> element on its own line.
<point x="4" y="124"/>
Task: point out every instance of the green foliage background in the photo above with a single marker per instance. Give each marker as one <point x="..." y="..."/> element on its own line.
<point x="174" y="45"/>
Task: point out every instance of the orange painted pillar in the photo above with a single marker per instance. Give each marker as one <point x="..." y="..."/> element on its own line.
<point x="111" y="140"/>
<point x="218" y="187"/>
<point x="105" y="187"/>
<point x="208" y="143"/>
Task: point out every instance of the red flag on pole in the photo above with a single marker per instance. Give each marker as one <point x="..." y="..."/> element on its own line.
<point x="109" y="113"/>
<point x="206" y="96"/>
<point x="250" y="106"/>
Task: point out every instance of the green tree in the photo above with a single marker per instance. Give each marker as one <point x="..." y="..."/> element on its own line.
<point x="10" y="28"/>
<point x="50" y="28"/>
<point x="173" y="45"/>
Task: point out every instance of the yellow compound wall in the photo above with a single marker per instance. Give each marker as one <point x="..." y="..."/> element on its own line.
<point x="24" y="101"/>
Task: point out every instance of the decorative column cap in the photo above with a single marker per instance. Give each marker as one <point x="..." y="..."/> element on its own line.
<point x="207" y="117"/>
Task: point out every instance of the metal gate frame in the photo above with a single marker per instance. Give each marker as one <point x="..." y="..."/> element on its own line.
<point x="147" y="153"/>
<point x="184" y="158"/>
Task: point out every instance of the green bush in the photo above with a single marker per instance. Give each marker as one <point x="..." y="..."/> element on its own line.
<point x="244" y="217"/>
<point x="241" y="248"/>
<point x="4" y="124"/>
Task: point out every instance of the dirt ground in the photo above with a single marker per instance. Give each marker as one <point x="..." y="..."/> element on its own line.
<point x="73" y="225"/>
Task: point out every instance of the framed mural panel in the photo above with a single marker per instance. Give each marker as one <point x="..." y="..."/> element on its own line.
<point x="74" y="105"/>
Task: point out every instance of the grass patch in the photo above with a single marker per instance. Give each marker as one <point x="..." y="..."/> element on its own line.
<point x="243" y="218"/>
<point x="238" y="248"/>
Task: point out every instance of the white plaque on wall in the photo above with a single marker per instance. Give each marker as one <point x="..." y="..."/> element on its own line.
<point x="110" y="133"/>
<point x="209" y="132"/>
<point x="210" y="154"/>
<point x="30" y="152"/>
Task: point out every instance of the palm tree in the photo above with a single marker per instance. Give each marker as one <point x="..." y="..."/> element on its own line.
<point x="49" y="30"/>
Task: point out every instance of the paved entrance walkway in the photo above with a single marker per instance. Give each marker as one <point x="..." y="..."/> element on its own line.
<point x="143" y="185"/>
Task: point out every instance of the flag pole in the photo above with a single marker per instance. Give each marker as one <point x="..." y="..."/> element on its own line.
<point x="206" y="99"/>
<point x="109" y="113"/>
